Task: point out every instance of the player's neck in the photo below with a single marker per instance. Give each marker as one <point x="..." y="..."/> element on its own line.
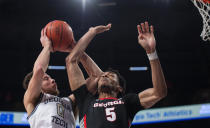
<point x="106" y="95"/>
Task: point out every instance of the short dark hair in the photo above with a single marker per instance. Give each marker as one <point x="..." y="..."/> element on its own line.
<point x="27" y="79"/>
<point x="121" y="79"/>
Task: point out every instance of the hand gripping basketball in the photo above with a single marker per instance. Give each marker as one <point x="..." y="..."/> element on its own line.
<point x="61" y="35"/>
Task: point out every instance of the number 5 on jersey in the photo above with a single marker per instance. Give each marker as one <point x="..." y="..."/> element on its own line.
<point x="110" y="114"/>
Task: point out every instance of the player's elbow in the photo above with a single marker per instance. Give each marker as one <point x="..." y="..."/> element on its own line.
<point x="73" y="58"/>
<point x="70" y="59"/>
<point x="165" y="93"/>
<point x="38" y="70"/>
<point x="162" y="94"/>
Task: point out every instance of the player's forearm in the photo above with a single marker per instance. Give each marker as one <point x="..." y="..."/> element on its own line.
<point x="75" y="75"/>
<point x="90" y="66"/>
<point x="158" y="78"/>
<point x="82" y="44"/>
<point x="43" y="59"/>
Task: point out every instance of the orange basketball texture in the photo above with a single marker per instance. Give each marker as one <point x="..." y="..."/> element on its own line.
<point x="61" y="35"/>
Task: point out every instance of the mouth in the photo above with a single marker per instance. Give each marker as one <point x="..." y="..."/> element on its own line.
<point x="105" y="89"/>
<point x="54" y="85"/>
<point x="104" y="79"/>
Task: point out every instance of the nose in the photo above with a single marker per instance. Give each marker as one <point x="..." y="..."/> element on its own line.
<point x="52" y="80"/>
<point x="104" y="75"/>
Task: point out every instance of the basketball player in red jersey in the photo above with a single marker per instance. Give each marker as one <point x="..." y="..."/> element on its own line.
<point x="107" y="109"/>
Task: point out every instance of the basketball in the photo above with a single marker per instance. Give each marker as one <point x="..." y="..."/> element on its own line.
<point x="206" y="1"/>
<point x="61" y="35"/>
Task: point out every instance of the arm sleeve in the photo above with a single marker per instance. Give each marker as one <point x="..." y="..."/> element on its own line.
<point x="133" y="105"/>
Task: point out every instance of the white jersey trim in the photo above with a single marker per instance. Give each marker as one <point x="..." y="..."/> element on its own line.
<point x="41" y="96"/>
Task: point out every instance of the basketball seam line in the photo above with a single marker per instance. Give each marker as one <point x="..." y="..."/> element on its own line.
<point x="61" y="36"/>
<point x="51" y="36"/>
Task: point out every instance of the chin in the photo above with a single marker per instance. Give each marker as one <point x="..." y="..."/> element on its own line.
<point x="54" y="92"/>
<point x="105" y="89"/>
<point x="57" y="92"/>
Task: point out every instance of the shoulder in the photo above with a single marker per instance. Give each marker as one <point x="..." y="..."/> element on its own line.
<point x="31" y="107"/>
<point x="72" y="98"/>
<point x="130" y="96"/>
<point x="131" y="99"/>
<point x="81" y="91"/>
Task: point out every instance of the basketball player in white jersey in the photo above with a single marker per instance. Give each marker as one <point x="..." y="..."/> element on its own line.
<point x="44" y="108"/>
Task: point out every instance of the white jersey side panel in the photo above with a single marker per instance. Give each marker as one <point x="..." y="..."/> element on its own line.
<point x="52" y="112"/>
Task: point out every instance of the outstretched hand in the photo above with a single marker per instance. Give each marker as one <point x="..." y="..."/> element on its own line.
<point x="101" y="28"/>
<point x="45" y="41"/>
<point x="146" y="37"/>
<point x="96" y="30"/>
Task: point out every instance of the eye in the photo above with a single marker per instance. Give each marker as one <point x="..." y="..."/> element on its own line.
<point x="111" y="75"/>
<point x="45" y="78"/>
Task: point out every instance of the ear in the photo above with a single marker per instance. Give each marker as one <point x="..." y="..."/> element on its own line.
<point x="42" y="91"/>
<point x="119" y="88"/>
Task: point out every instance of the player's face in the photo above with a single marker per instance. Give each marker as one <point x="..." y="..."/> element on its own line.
<point x="49" y="85"/>
<point x="108" y="81"/>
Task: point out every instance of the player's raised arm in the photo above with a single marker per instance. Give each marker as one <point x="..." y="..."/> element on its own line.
<point x="146" y="39"/>
<point x="92" y="69"/>
<point x="40" y="66"/>
<point x="75" y="74"/>
<point x="90" y="66"/>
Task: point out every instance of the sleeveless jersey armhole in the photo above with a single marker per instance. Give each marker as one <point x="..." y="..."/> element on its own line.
<point x="37" y="104"/>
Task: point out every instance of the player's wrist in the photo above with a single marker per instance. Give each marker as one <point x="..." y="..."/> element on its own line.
<point x="93" y="31"/>
<point x="49" y="47"/>
<point x="152" y="55"/>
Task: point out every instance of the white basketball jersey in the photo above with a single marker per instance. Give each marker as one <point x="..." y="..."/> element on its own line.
<point x="52" y="112"/>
